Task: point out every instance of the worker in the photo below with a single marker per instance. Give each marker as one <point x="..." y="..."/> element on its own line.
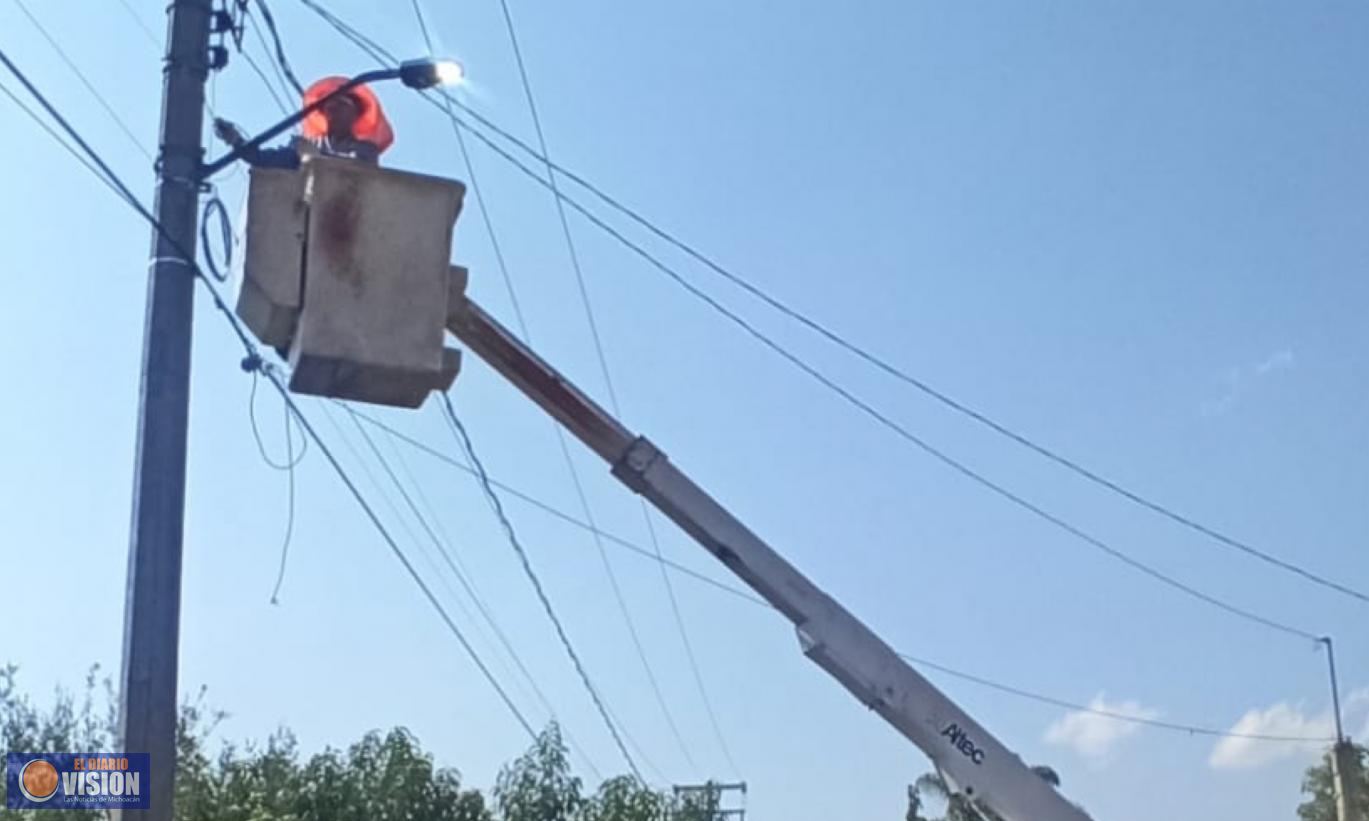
<point x="351" y="125"/>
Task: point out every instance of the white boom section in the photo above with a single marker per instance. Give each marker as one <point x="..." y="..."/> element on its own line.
<point x="974" y="761"/>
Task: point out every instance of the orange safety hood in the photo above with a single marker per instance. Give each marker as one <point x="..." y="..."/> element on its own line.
<point x="370" y="125"/>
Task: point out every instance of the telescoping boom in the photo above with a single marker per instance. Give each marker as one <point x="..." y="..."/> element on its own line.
<point x="976" y="763"/>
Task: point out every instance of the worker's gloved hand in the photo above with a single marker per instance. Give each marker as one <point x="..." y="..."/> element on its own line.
<point x="228" y="132"/>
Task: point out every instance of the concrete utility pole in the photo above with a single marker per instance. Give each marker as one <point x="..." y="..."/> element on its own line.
<point x="710" y="798"/>
<point x="147" y="682"/>
<point x="1346" y="778"/>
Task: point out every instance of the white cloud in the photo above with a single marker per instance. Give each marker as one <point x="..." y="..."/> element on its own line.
<point x="1277" y="361"/>
<point x="1286" y="721"/>
<point x="1238" y="380"/>
<point x="1093" y="736"/>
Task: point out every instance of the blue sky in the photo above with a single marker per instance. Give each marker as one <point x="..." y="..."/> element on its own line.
<point x="1136" y="231"/>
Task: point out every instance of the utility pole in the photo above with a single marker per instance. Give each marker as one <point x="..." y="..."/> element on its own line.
<point x="147" y="681"/>
<point x="1346" y="778"/>
<point x="704" y="802"/>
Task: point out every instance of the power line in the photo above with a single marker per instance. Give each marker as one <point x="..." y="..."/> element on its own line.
<point x="560" y="514"/>
<point x="924" y="387"/>
<point x="101" y="171"/>
<point x="57" y="138"/>
<point x="587" y="304"/>
<point x="281" y="59"/>
<point x="142" y="24"/>
<point x="560" y="434"/>
<point x="270" y="374"/>
<point x="898" y="429"/>
<point x="254" y="360"/>
<point x="827" y="382"/>
<point x="861" y="352"/>
<point x="1110" y="714"/>
<point x="451" y="558"/>
<point x="266" y="81"/>
<point x="85" y="81"/>
<point x="537" y="585"/>
<point x="560" y="205"/>
<point x="950" y="671"/>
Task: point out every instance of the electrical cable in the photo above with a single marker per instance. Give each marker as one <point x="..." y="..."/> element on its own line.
<point x="288" y="468"/>
<point x="85" y="81"/>
<point x="269" y="372"/>
<point x="101" y="171"/>
<point x="290" y="506"/>
<point x="254" y="361"/>
<point x="560" y="434"/>
<point x="266" y="81"/>
<point x="1110" y="714"/>
<point x="214" y="207"/>
<point x="452" y="560"/>
<point x="865" y="407"/>
<point x="57" y="138"/>
<point x="276" y="69"/>
<point x="898" y="429"/>
<point x="871" y="358"/>
<point x="291" y="460"/>
<point x="915" y="660"/>
<point x="281" y="59"/>
<point x="498" y="506"/>
<point x="559" y="514"/>
<point x="142" y="24"/>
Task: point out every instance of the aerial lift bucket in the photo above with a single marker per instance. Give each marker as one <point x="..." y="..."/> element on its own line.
<point x="347" y="273"/>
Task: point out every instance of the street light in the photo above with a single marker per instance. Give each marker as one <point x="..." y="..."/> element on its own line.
<point x="419" y="75"/>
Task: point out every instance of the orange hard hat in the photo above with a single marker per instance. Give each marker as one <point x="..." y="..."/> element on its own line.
<point x="370" y="124"/>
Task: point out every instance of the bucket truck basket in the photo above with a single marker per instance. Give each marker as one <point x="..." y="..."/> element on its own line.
<point x="347" y="273"/>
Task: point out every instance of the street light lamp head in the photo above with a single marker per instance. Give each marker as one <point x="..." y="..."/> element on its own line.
<point x="425" y="74"/>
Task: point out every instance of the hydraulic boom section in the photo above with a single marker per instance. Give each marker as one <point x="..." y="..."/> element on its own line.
<point x="975" y="762"/>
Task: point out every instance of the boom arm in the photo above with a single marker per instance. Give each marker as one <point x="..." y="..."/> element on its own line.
<point x="976" y="763"/>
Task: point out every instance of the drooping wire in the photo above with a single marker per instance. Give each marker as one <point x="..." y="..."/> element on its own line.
<point x="865" y="354"/>
<point x="531" y="574"/>
<point x="287" y="467"/>
<point x="102" y="171"/>
<point x="270" y="373"/>
<point x="291" y="460"/>
<point x="560" y="434"/>
<point x="290" y="508"/>
<point x="85" y="81"/>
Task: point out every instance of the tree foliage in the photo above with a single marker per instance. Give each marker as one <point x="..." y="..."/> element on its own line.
<point x="1321" y="796"/>
<point x="958" y="807"/>
<point x="382" y="777"/>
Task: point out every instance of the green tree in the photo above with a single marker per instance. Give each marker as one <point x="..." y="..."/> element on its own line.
<point x="538" y="785"/>
<point x="623" y="799"/>
<point x="1317" y="785"/>
<point x="380" y="778"/>
<point x="958" y="807"/>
